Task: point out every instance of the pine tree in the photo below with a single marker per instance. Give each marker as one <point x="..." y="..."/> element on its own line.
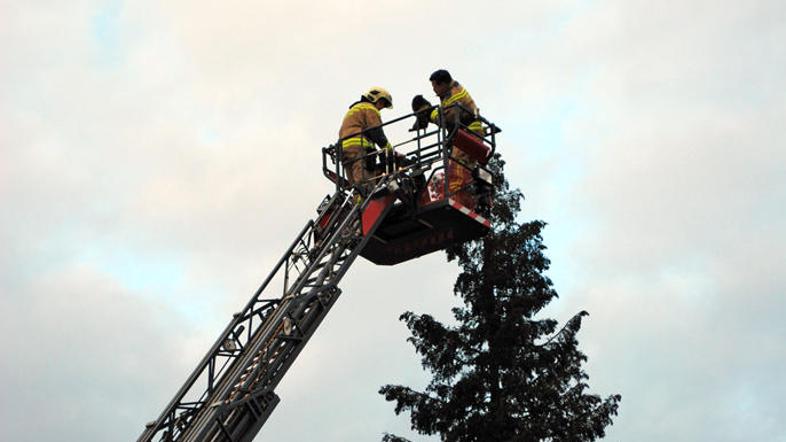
<point x="500" y="374"/>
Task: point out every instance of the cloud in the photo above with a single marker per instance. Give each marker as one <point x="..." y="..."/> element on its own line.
<point x="78" y="348"/>
<point x="152" y="178"/>
<point x="678" y="262"/>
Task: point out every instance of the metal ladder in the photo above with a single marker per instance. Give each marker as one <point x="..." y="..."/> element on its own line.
<point x="230" y="394"/>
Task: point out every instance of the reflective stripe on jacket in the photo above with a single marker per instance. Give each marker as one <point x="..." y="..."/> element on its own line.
<point x="358" y="118"/>
<point x="458" y="95"/>
<point x="356" y="142"/>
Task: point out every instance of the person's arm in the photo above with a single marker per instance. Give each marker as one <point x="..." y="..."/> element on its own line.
<point x="449" y="117"/>
<point x="377" y="135"/>
<point x="454" y="114"/>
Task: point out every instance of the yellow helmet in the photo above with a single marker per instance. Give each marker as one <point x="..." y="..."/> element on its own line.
<point x="375" y="93"/>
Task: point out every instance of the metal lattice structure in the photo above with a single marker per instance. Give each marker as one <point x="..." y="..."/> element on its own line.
<point x="231" y="393"/>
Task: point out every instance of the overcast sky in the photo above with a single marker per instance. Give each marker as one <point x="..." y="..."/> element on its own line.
<point x="156" y="158"/>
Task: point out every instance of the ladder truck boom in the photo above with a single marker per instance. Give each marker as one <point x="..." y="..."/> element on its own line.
<point x="231" y="393"/>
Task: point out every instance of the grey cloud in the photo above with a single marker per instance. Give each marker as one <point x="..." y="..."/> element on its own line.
<point x="680" y="263"/>
<point x="78" y="349"/>
<point x="199" y="146"/>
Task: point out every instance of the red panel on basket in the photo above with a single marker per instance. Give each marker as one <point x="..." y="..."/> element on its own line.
<point x="472" y="146"/>
<point x="374" y="210"/>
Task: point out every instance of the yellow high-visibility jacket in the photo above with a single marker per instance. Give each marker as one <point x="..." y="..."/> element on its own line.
<point x="360" y="117"/>
<point x="458" y="94"/>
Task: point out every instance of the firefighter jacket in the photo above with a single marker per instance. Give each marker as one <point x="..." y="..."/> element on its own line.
<point x="362" y="117"/>
<point x="458" y="94"/>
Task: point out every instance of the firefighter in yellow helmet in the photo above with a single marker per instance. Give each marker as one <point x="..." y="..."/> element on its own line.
<point x="360" y="131"/>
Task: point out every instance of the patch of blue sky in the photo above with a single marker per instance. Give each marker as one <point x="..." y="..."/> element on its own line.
<point x="145" y="273"/>
<point x="158" y="277"/>
<point x="198" y="304"/>
<point x="47" y="251"/>
<point x="105" y="32"/>
<point x="579" y="7"/>
<point x="209" y="136"/>
<point x="549" y="139"/>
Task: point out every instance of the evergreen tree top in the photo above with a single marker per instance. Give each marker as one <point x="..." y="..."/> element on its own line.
<point x="500" y="374"/>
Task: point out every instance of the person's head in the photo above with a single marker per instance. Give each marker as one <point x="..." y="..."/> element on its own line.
<point x="380" y="97"/>
<point x="440" y="82"/>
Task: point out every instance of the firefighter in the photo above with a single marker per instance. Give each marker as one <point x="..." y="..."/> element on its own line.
<point x="450" y="93"/>
<point x="360" y="131"/>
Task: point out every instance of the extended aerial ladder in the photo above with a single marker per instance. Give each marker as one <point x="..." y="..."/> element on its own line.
<point x="407" y="213"/>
